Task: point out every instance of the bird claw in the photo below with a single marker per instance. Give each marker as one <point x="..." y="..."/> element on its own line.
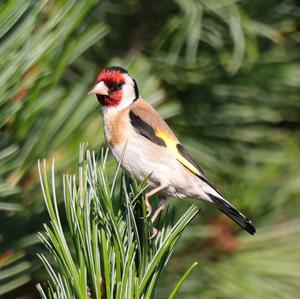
<point x="149" y="211"/>
<point x="148" y="207"/>
<point x="155" y="232"/>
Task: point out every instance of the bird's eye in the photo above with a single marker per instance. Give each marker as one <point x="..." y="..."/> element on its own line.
<point x="116" y="86"/>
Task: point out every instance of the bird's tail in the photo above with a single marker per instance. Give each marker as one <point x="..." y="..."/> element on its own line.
<point x="228" y="209"/>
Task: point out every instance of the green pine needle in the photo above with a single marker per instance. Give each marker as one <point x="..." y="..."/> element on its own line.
<point x="100" y="244"/>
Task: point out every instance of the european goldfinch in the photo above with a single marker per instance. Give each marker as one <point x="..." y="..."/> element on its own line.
<point x="146" y="146"/>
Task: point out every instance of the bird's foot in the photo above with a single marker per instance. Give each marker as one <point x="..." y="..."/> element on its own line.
<point x="148" y="207"/>
<point x="149" y="194"/>
<point x="155" y="232"/>
<point x="161" y="206"/>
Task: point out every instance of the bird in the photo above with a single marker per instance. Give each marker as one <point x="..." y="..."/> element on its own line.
<point x="140" y="139"/>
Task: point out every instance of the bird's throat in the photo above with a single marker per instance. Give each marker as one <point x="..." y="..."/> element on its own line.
<point x="111" y="100"/>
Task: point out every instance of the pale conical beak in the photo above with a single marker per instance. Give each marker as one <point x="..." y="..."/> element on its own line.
<point x="100" y="88"/>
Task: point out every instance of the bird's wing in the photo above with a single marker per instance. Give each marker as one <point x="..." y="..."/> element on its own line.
<point x="148" y="123"/>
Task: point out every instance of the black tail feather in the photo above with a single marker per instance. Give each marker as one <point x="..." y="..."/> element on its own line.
<point x="233" y="213"/>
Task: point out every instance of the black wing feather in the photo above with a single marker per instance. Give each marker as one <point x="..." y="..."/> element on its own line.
<point x="145" y="129"/>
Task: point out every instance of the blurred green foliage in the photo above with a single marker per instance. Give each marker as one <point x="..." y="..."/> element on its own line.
<point x="226" y="76"/>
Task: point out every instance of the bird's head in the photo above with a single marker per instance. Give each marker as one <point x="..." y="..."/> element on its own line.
<point x="115" y="88"/>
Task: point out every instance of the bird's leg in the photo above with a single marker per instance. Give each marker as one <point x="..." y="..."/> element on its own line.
<point x="161" y="206"/>
<point x="148" y="206"/>
<point x="149" y="194"/>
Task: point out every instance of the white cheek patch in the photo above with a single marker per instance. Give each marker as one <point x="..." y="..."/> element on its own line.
<point x="128" y="96"/>
<point x="128" y="90"/>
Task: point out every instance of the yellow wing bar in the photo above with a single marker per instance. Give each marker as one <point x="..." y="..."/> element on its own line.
<point x="181" y="154"/>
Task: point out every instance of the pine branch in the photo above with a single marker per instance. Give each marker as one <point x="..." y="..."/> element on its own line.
<point x="104" y="249"/>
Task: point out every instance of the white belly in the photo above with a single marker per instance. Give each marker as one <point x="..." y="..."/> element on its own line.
<point x="142" y="159"/>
